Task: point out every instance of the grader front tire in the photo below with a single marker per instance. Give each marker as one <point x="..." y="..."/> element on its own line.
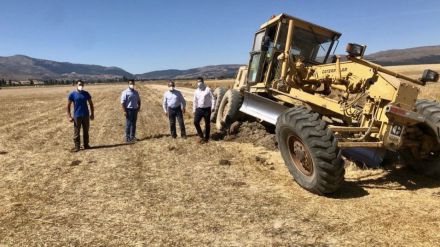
<point x="310" y="151"/>
<point x="218" y="95"/>
<point x="228" y="109"/>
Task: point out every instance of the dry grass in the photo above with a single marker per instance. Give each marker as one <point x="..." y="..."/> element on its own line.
<point x="161" y="191"/>
<point x="227" y="83"/>
<point x="430" y="91"/>
<point x="414" y="71"/>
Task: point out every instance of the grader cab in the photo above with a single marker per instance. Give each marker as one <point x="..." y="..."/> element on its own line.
<point x="321" y="103"/>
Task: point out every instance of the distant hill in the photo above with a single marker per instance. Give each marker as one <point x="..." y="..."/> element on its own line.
<point x="21" y="67"/>
<point x="214" y="71"/>
<point x="416" y="55"/>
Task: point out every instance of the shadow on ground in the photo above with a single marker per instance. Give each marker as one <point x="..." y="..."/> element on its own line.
<point x="398" y="179"/>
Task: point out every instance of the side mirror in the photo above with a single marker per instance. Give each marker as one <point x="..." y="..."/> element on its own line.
<point x="355" y="50"/>
<point x="429" y="76"/>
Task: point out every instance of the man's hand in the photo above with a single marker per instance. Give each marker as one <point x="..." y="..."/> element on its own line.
<point x="70" y="119"/>
<point x="183" y="110"/>
<point x="166" y="114"/>
<point x="125" y="113"/>
<point x="212" y="110"/>
<point x="92" y="116"/>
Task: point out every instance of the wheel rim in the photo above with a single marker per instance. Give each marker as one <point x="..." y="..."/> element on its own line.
<point x="300" y="155"/>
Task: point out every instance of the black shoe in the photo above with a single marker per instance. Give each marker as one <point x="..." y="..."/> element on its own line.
<point x="75" y="150"/>
<point x="183" y="137"/>
<point x="87" y="146"/>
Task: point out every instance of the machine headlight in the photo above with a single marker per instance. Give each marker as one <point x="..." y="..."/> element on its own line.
<point x="429" y="76"/>
<point x="355" y="50"/>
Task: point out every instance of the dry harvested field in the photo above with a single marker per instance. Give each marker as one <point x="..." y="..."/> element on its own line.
<point x="161" y="191"/>
<point x="414" y="71"/>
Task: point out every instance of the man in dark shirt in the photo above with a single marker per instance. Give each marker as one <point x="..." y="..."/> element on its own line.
<point x="81" y="115"/>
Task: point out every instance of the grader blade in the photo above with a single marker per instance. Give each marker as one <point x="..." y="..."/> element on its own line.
<point x="262" y="108"/>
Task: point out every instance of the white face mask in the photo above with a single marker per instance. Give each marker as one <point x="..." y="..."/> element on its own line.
<point x="131" y="86"/>
<point x="80" y="88"/>
<point x="200" y="84"/>
<point x="171" y="88"/>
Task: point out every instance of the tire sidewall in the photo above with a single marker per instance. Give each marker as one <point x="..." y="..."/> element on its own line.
<point x="219" y="93"/>
<point x="228" y="109"/>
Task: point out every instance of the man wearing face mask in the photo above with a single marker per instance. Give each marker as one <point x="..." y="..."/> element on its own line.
<point x="174" y="107"/>
<point x="81" y="115"/>
<point x="131" y="104"/>
<point x="203" y="105"/>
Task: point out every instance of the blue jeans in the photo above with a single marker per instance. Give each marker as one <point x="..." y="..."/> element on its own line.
<point x="130" y="124"/>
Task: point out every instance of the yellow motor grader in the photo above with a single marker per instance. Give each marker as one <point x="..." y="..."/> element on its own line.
<point x="322" y="103"/>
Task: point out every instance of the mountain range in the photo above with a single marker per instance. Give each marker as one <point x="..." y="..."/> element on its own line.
<point x="20" y="67"/>
<point x="416" y="55"/>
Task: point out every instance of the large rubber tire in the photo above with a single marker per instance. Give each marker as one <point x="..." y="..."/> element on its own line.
<point x="429" y="165"/>
<point x="218" y="95"/>
<point x="325" y="171"/>
<point x="228" y="109"/>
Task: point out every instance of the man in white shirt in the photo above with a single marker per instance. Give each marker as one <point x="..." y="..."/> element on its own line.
<point x="203" y="105"/>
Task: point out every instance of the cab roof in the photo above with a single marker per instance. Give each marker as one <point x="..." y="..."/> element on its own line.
<point x="299" y="22"/>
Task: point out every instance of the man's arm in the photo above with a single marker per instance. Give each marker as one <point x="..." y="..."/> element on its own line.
<point x="165" y="103"/>
<point x="92" y="109"/>
<point x="212" y="100"/>
<point x="69" y="115"/>
<point x="183" y="102"/>
<point x="195" y="101"/>
<point x="124" y="109"/>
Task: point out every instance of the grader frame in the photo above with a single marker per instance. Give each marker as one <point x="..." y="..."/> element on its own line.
<point x="293" y="75"/>
<point x="298" y="82"/>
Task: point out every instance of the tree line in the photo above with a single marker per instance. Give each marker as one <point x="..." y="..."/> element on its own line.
<point x="34" y="82"/>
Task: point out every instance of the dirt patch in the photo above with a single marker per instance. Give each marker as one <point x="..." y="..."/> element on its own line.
<point x="75" y="163"/>
<point x="253" y="132"/>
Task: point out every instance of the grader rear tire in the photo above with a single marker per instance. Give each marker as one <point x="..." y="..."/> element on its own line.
<point x="228" y="109"/>
<point x="429" y="163"/>
<point x="310" y="151"/>
<point x="218" y="95"/>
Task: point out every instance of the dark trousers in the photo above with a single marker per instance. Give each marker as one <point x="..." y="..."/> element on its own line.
<point x="78" y="123"/>
<point x="204" y="113"/>
<point x="174" y="113"/>
<point x="130" y="124"/>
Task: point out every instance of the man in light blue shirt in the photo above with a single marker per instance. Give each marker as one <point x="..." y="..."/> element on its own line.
<point x="174" y="106"/>
<point x="131" y="104"/>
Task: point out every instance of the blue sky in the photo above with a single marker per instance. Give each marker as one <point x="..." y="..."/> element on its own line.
<point x="141" y="36"/>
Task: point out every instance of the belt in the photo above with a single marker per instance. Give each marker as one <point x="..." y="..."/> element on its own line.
<point x="174" y="108"/>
